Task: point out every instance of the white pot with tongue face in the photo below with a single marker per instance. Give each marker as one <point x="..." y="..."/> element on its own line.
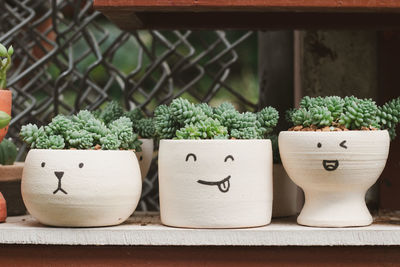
<point x="335" y="170"/>
<point x="215" y="183"/>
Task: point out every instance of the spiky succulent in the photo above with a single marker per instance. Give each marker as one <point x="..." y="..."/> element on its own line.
<point x="389" y="116"/>
<point x="185" y="112"/>
<point x="111" y="112"/>
<point x="185" y="120"/>
<point x="135" y="114"/>
<point x="350" y="112"/>
<point x="164" y="122"/>
<point x="110" y="142"/>
<point x="143" y="127"/>
<point x="275" y="149"/>
<point x="207" y="129"/>
<point x="81" y="131"/>
<point x="268" y="119"/>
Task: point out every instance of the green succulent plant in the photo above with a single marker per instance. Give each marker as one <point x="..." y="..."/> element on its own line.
<point x="350" y="112"/>
<point x="8" y="152"/>
<point x="389" y="116"/>
<point x="164" y="122"/>
<point x="275" y="149"/>
<point x="142" y="126"/>
<point x="4" y="119"/>
<point x="111" y="112"/>
<point x="185" y="120"/>
<point x="145" y="128"/>
<point x="81" y="131"/>
<point x="5" y="64"/>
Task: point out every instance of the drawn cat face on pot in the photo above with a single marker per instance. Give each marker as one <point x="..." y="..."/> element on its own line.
<point x="69" y="174"/>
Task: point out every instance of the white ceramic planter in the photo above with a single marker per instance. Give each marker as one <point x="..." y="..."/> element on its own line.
<point x="215" y="183"/>
<point x="288" y="197"/>
<point x="81" y="188"/>
<point x="334" y="169"/>
<point x="145" y="156"/>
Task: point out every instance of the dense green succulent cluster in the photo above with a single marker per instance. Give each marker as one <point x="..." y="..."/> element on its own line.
<point x="350" y="112"/>
<point x="81" y="131"/>
<point x="389" y="116"/>
<point x="144" y="127"/>
<point x="185" y="120"/>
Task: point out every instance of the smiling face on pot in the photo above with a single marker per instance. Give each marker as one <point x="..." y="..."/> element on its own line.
<point x="334" y="158"/>
<point x="60" y="186"/>
<point x="211" y="183"/>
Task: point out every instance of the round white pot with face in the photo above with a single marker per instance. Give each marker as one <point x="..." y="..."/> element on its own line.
<point x="215" y="183"/>
<point x="81" y="188"/>
<point x="335" y="170"/>
<point x="145" y="156"/>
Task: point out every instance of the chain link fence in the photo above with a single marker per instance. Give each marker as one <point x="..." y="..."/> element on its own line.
<point x="69" y="57"/>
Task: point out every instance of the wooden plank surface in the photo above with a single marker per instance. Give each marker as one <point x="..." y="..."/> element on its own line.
<point x="144" y="229"/>
<point x="250" y="5"/>
<point x="88" y="256"/>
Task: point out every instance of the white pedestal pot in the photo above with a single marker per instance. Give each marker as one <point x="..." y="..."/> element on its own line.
<point x="335" y="170"/>
<point x="215" y="183"/>
<point x="145" y="156"/>
<point x="81" y="188"/>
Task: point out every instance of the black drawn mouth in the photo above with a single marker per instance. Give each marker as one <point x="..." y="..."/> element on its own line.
<point x="223" y="185"/>
<point x="330" y="165"/>
<point x="59" y="176"/>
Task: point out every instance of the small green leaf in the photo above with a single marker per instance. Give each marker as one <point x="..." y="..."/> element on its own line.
<point x="4" y="119"/>
<point x="3" y="51"/>
<point x="10" y="50"/>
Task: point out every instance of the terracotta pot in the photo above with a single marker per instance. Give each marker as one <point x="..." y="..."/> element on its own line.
<point x="335" y="170"/>
<point x="10" y="186"/>
<point x="215" y="183"/>
<point x="288" y="197"/>
<point x="3" y="208"/>
<point x="5" y="105"/>
<point x="145" y="156"/>
<point x="81" y="188"/>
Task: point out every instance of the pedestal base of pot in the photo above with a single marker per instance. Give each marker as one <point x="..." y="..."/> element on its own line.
<point x="335" y="170"/>
<point x="335" y="209"/>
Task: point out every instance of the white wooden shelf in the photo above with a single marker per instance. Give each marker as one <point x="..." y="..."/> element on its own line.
<point x="144" y="229"/>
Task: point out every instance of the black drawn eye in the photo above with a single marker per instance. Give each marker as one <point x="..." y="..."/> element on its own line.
<point x="319" y="145"/>
<point x="191" y="155"/>
<point x="343" y="144"/>
<point x="141" y="158"/>
<point x="43" y="164"/>
<point x="229" y="157"/>
<point x="81" y="165"/>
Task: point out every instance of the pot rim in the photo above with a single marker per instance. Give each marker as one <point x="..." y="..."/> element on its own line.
<point x="335" y="132"/>
<point x="80" y="150"/>
<point x="213" y="140"/>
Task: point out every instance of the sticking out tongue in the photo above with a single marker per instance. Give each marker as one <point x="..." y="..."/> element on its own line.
<point x="224" y="186"/>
